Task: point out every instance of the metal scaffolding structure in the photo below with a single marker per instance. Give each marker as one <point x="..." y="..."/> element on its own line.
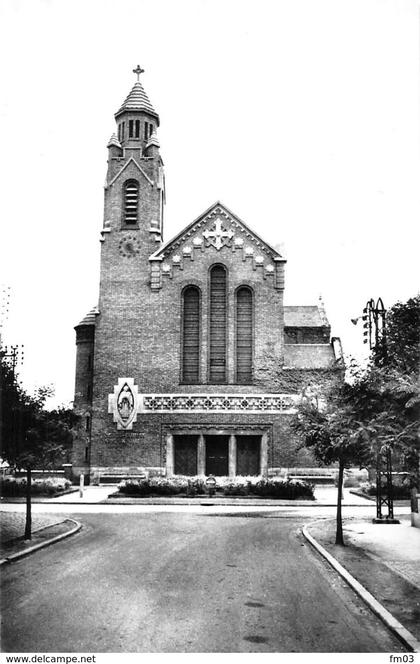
<point x="374" y="333"/>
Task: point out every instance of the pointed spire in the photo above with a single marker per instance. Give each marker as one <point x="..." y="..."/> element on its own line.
<point x="90" y="318"/>
<point x="137" y="100"/>
<point x="322" y="312"/>
<point x="153" y="140"/>
<point x="113" y="141"/>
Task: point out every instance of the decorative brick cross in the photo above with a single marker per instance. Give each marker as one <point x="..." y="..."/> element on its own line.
<point x="218" y="237"/>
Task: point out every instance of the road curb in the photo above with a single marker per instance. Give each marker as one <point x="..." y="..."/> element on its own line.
<point x="362" y="495"/>
<point x="408" y="639"/>
<point x="186" y="502"/>
<point x="42" y="545"/>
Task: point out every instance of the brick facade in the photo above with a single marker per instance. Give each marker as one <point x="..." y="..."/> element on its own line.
<point x="136" y="333"/>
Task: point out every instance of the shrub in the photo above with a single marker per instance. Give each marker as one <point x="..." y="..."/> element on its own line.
<point x="196" y="485"/>
<point x="135" y="487"/>
<point x="164" y="486"/>
<point x="400" y="488"/>
<point x="350" y="483"/>
<point x="270" y="488"/>
<point x="237" y="486"/>
<point x="285" y="489"/>
<point x="50" y="486"/>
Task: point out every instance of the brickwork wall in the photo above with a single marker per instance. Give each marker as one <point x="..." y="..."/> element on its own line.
<point x="309" y="356"/>
<point x="82" y="394"/>
<point x="306" y="335"/>
<point x="138" y="333"/>
<point x="145" y="446"/>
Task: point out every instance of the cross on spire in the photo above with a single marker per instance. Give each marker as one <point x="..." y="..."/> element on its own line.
<point x="138" y="70"/>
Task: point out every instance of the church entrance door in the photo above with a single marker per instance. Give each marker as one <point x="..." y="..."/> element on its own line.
<point x="248" y="455"/>
<point x="185" y="455"/>
<point x="217" y="448"/>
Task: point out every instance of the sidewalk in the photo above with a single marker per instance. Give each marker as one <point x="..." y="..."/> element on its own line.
<point x="324" y="495"/>
<point x="45" y="528"/>
<point x="384" y="558"/>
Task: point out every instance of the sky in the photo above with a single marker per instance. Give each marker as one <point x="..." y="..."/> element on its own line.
<point x="302" y="116"/>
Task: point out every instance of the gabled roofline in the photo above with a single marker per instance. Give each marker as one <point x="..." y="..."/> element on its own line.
<point x="124" y="167"/>
<point x="156" y="255"/>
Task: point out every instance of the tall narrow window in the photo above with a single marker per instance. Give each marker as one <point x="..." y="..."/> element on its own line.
<point x="122" y="130"/>
<point x="131" y="200"/>
<point x="217" y="368"/>
<point x="244" y="335"/>
<point x="191" y="335"/>
<point x="130" y="128"/>
<point x="137" y="129"/>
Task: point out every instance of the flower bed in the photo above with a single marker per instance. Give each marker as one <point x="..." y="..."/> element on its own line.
<point x="269" y="488"/>
<point x="400" y="489"/>
<point x="226" y="486"/>
<point x="164" y="486"/>
<point x="50" y="486"/>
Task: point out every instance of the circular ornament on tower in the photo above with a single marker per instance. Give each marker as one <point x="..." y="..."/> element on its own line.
<point x="129" y="246"/>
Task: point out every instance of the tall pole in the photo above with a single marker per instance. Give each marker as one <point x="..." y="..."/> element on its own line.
<point x="374" y="333"/>
<point x="12" y="353"/>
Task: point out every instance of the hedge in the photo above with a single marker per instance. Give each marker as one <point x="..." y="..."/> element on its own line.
<point x="400" y="490"/>
<point x="238" y="486"/>
<point x="51" y="486"/>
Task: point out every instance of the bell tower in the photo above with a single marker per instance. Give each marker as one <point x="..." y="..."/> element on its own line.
<point x="136" y="119"/>
<point x="134" y="188"/>
<point x="111" y="341"/>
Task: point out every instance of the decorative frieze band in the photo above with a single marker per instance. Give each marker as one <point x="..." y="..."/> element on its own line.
<point x="219" y="403"/>
<point x="125" y="403"/>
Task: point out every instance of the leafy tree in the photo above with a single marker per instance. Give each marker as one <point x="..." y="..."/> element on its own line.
<point x="403" y="337"/>
<point x="30" y="436"/>
<point x="399" y="359"/>
<point x="374" y="409"/>
<point x="325" y="423"/>
<point x="388" y="410"/>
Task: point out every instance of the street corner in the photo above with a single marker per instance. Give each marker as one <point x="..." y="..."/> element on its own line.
<point x="13" y="547"/>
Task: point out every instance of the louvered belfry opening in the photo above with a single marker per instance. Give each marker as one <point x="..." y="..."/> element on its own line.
<point x="191" y="335"/>
<point x="244" y="335"/>
<point x="217" y="371"/>
<point x="131" y="201"/>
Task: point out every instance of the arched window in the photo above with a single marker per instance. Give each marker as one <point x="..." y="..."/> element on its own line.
<point x="244" y="325"/>
<point x="217" y="345"/>
<point x="131" y="201"/>
<point x="191" y="335"/>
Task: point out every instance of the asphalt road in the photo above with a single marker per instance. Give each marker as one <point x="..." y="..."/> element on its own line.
<point x="184" y="582"/>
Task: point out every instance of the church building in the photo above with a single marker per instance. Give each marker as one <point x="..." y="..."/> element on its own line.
<point x="190" y="364"/>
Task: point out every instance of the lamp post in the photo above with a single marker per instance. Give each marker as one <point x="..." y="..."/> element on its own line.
<point x="374" y="333"/>
<point x="12" y="353"/>
<point x="374" y="329"/>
